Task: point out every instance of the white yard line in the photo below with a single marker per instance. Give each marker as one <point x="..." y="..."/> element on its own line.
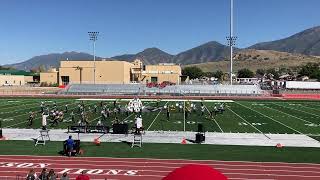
<point x="297" y="110"/>
<point x="11" y="117"/>
<point x="289" y="115"/>
<point x="271" y="118"/>
<point x="214" y="119"/>
<point x="317" y="109"/>
<point x="156" y="117"/>
<point x="248" y="123"/>
<point x="34" y="119"/>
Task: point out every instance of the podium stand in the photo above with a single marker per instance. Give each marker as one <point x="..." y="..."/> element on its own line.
<point x="137" y="140"/>
<point x="44" y="135"/>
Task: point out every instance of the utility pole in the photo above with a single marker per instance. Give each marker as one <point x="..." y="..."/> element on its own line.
<point x="231" y="40"/>
<point x="93" y="36"/>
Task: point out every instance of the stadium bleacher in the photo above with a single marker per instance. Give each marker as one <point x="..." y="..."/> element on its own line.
<point x="141" y="89"/>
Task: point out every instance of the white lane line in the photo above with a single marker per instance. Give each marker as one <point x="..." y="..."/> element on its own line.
<point x="153" y="160"/>
<point x="162" y="164"/>
<point x="270" y="118"/>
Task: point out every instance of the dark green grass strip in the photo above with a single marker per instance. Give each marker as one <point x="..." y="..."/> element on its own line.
<point x="171" y="151"/>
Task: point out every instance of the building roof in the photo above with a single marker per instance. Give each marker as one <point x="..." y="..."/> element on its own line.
<point x="17" y="72"/>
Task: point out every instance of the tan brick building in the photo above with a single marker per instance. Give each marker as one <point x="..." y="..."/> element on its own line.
<point x="15" y="78"/>
<point x="112" y="72"/>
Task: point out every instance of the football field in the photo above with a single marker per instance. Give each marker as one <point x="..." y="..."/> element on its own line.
<point x="267" y="116"/>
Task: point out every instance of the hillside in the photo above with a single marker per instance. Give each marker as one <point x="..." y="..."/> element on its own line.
<point x="211" y="51"/>
<point x="306" y="42"/>
<point x="148" y="56"/>
<point x="51" y="60"/>
<point x="259" y="59"/>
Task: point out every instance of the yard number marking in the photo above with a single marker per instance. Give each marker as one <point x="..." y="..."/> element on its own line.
<point x="253" y="124"/>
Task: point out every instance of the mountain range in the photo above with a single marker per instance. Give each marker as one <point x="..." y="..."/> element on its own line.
<point x="305" y="43"/>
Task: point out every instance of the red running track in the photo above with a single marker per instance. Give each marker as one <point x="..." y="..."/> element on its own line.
<point x="151" y="169"/>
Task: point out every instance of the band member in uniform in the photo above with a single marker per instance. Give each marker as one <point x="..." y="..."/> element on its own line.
<point x="42" y="107"/>
<point x="168" y="112"/>
<point x="44" y="121"/>
<point x="66" y="108"/>
<point x="138" y="124"/>
<point x="103" y="115"/>
<point x="72" y="116"/>
<point x="202" y="109"/>
<point x="221" y="108"/>
<point x="54" y="105"/>
<point x="31" y="118"/>
<point x="95" y="108"/>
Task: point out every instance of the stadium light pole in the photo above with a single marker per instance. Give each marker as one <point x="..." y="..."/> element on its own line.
<point x="231" y="40"/>
<point x="93" y="36"/>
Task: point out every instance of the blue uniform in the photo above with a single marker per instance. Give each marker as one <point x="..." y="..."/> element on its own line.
<point x="70" y="143"/>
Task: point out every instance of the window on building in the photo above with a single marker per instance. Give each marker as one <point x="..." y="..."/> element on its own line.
<point x="65" y="80"/>
<point x="154" y="79"/>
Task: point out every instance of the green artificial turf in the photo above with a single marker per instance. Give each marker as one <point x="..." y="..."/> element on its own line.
<point x="298" y="117"/>
<point x="170" y="151"/>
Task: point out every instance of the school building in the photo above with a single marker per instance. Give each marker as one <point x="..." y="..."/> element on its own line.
<point x="17" y="78"/>
<point x="111" y="72"/>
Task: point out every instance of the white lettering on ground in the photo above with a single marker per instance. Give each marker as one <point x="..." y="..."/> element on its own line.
<point x="191" y="122"/>
<point x="131" y="173"/>
<point x="253" y="124"/>
<point x="79" y="171"/>
<point x="113" y="172"/>
<point x="65" y="171"/>
<point x="312" y="125"/>
<point x="8" y="164"/>
<point x="24" y="165"/>
<point x="95" y="171"/>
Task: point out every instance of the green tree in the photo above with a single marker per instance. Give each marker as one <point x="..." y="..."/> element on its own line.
<point x="260" y="72"/>
<point x="193" y="72"/>
<point x="208" y="74"/>
<point x="273" y="72"/>
<point x="310" y="69"/>
<point x="245" y="73"/>
<point x="218" y="74"/>
<point x="5" y="68"/>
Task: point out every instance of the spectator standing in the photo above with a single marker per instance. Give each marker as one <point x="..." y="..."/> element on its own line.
<point x="70" y="143"/>
<point x="83" y="176"/>
<point x="43" y="175"/>
<point x="64" y="176"/>
<point x="31" y="175"/>
<point x="52" y="175"/>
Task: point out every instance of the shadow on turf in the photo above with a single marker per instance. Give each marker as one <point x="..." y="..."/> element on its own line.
<point x="192" y="141"/>
<point x="127" y="142"/>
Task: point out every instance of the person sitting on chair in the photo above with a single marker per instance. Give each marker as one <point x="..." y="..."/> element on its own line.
<point x="70" y="143"/>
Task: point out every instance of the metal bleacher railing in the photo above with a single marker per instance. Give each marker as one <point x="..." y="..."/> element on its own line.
<point x="182" y="90"/>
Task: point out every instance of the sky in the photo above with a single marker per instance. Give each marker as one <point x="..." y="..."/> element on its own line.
<point x="36" y="27"/>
